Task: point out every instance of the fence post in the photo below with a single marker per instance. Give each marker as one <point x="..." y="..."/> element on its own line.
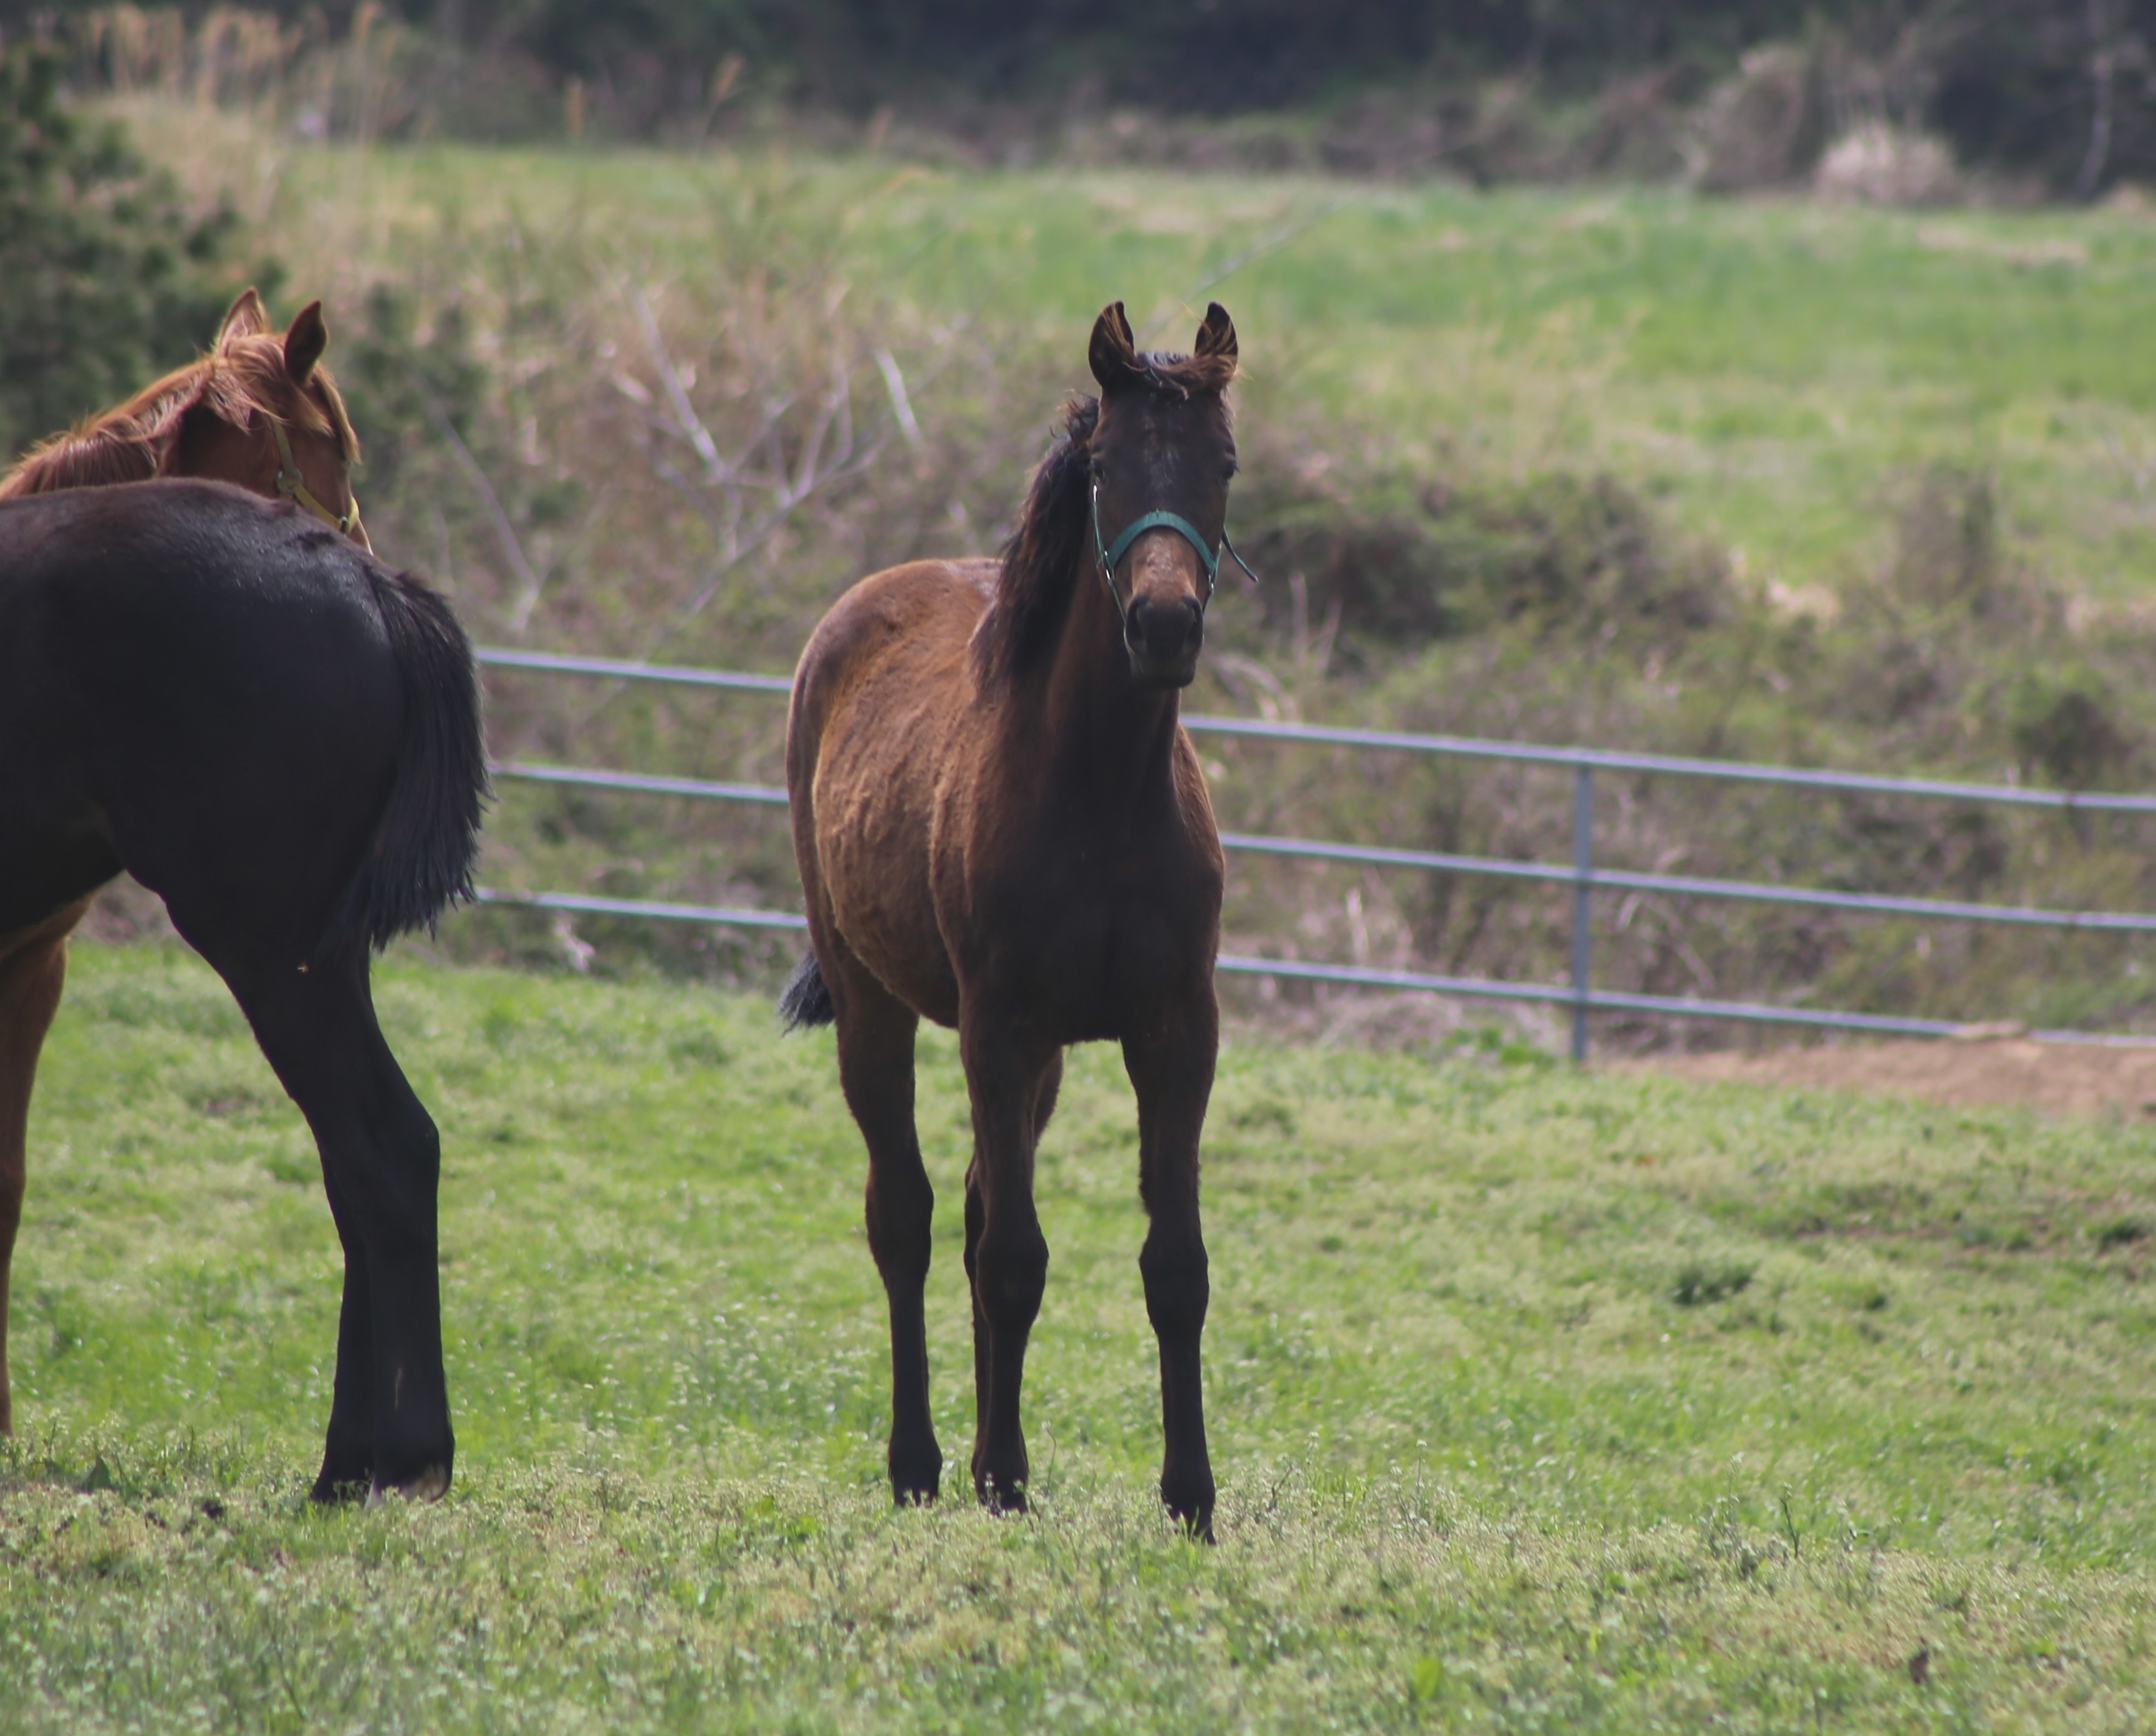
<point x="1582" y="875"/>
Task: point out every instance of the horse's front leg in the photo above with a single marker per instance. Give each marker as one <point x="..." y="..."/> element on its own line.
<point x="1010" y="1082"/>
<point x="1171" y="1068"/>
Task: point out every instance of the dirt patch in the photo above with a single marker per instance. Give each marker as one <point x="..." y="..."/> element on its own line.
<point x="2060" y="1078"/>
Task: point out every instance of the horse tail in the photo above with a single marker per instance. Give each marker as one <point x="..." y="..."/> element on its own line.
<point x="806" y="998"/>
<point x="426" y="842"/>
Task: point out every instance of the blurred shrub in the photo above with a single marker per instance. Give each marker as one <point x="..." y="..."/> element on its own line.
<point x="2066" y="728"/>
<point x="106" y="280"/>
<point x="1764" y="127"/>
<point x="1749" y="93"/>
<point x="1560" y="554"/>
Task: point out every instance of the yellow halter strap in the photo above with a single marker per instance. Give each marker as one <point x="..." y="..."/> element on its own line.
<point x="293" y="487"/>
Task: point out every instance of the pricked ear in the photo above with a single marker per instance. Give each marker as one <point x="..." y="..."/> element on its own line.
<point x="1216" y="337"/>
<point x="304" y="343"/>
<point x="1113" y="352"/>
<point x="247" y="317"/>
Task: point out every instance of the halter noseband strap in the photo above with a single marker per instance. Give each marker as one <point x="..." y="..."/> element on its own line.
<point x="1110" y="553"/>
<point x="293" y="486"/>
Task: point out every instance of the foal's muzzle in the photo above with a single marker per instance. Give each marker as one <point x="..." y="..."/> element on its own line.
<point x="1163" y="637"/>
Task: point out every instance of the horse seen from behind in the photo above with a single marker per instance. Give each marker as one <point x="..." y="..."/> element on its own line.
<point x="1002" y="826"/>
<point x="229" y="698"/>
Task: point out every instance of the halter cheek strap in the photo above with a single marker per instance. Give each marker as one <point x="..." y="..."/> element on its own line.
<point x="1111" y="553"/>
<point x="293" y="487"/>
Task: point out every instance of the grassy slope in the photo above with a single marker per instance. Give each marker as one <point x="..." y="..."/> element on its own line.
<point x="1772" y="369"/>
<point x="1479" y="1464"/>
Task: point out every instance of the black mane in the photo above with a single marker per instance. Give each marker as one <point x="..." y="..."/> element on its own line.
<point x="1041" y="555"/>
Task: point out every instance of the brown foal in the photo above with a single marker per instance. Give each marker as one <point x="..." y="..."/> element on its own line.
<point x="1002" y="826"/>
<point x="257" y="410"/>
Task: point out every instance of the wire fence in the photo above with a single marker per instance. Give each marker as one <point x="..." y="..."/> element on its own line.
<point x="1581" y="875"/>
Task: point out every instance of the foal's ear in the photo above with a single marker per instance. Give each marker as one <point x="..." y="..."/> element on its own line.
<point x="1216" y="337"/>
<point x="1113" y="352"/>
<point x="304" y="343"/>
<point x="247" y="317"/>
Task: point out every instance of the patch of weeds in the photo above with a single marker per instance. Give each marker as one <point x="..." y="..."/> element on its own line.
<point x="1489" y="1046"/>
<point x="1698" y="1283"/>
<point x="297" y="1166"/>
<point x="2008" y="1239"/>
<point x="700" y="1046"/>
<point x="1263" y="1114"/>
<point x="2120" y="1232"/>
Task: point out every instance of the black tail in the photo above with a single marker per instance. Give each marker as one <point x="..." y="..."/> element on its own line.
<point x="426" y="841"/>
<point x="806" y="998"/>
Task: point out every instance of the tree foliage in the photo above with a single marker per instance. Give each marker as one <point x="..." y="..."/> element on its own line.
<point x="2065" y="90"/>
<point x="106" y="278"/>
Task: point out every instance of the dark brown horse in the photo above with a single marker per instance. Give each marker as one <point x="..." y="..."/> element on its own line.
<point x="257" y="410"/>
<point x="240" y="707"/>
<point x="1002" y="826"/>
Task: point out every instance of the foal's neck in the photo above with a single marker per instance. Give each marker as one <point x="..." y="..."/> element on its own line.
<point x="1104" y="729"/>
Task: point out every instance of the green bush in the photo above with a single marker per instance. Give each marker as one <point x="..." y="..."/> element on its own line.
<point x="109" y="279"/>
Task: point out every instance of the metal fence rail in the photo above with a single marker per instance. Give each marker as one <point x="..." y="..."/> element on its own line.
<point x="1582" y="875"/>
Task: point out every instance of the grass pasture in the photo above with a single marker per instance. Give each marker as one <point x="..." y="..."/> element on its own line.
<point x="1541" y="1401"/>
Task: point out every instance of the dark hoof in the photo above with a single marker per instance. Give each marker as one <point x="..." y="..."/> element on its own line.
<point x="916" y="1479"/>
<point x="430" y="1483"/>
<point x="1001" y="1495"/>
<point x="345" y="1478"/>
<point x="1192" y="1508"/>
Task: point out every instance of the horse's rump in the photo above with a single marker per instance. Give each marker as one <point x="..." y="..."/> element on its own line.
<point x="251" y="710"/>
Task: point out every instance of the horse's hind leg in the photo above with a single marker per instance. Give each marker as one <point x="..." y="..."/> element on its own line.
<point x="33" y="969"/>
<point x="389" y="1412"/>
<point x="1171" y="1068"/>
<point x="875" y="1068"/>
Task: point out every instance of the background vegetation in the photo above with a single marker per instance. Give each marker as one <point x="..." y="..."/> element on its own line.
<point x="1543" y="1401"/>
<point x="1795" y="480"/>
<point x="109" y="273"/>
<point x="2034" y="95"/>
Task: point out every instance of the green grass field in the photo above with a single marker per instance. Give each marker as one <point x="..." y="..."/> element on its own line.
<point x="1541" y="1401"/>
<point x="1774" y="372"/>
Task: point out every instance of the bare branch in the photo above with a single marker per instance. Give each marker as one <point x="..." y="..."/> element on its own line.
<point x="692" y="424"/>
<point x="902" y="407"/>
<point x="529" y="581"/>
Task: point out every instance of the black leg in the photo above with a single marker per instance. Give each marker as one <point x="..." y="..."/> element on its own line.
<point x="1005" y="1078"/>
<point x="875" y="1067"/>
<point x="1171" y="1068"/>
<point x="347" y="1472"/>
<point x="33" y="970"/>
<point x="382" y="1162"/>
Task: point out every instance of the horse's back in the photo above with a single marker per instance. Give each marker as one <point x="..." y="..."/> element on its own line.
<point x="188" y="676"/>
<point x="898" y="625"/>
<point x="879" y="705"/>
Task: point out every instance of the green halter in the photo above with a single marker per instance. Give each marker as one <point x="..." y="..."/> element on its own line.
<point x="1111" y="554"/>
